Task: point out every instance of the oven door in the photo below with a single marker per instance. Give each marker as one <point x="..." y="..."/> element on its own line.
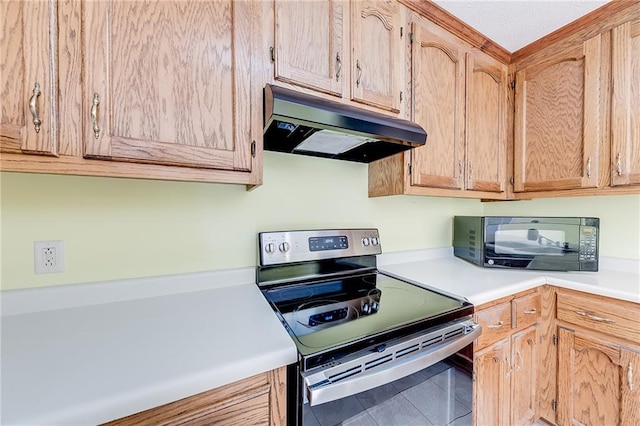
<point x="397" y="382"/>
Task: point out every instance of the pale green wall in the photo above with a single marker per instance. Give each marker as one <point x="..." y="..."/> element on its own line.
<point x="121" y="228"/>
<point x="124" y="228"/>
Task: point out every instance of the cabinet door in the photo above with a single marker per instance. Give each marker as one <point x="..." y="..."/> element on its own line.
<point x="28" y="77"/>
<point x="557" y="120"/>
<point x="309" y="44"/>
<point x="377" y="61"/>
<point x="168" y="82"/>
<point x="524" y="356"/>
<point x="625" y="124"/>
<point x="491" y="385"/>
<point x="437" y="80"/>
<point x="486" y="126"/>
<point x="597" y="380"/>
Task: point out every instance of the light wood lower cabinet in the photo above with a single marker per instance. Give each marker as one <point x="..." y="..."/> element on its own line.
<point x="506" y="362"/>
<point x="598" y="380"/>
<point x="258" y="400"/>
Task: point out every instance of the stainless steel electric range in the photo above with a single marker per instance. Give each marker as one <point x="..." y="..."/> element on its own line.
<point x="355" y="328"/>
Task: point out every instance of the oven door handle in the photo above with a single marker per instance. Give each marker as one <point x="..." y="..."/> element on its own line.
<point x="388" y="372"/>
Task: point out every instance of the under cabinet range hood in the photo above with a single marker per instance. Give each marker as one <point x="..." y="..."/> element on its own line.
<point x="298" y="123"/>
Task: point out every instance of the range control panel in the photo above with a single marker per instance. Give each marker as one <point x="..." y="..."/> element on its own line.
<point x="299" y="246"/>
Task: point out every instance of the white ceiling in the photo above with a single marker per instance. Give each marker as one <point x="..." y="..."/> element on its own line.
<point x="514" y="24"/>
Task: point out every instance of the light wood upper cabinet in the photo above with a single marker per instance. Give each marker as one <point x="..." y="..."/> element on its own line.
<point x="438" y="90"/>
<point x="377" y="60"/>
<point x="310" y="44"/>
<point x="169" y="82"/>
<point x="625" y="113"/>
<point x="459" y="95"/>
<point x="557" y="119"/>
<point x="28" y="77"/>
<point x="486" y="123"/>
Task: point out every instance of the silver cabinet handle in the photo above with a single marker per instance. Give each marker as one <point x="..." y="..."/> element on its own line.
<point x="460" y="167"/>
<point x="339" y="63"/>
<point x="630" y="376"/>
<point x="530" y="311"/>
<point x="94" y="115"/>
<point x="595" y="317"/>
<point x="497" y="325"/>
<point x="619" y="164"/>
<point x="34" y="108"/>
<point x="589" y="167"/>
<point x="359" y="72"/>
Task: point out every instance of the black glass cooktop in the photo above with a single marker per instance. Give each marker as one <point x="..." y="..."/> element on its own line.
<point x="326" y="314"/>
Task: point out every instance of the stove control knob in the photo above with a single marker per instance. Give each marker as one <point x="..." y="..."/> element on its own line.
<point x="374" y="241"/>
<point x="284" y="247"/>
<point x="270" y="248"/>
<point x="365" y="308"/>
<point x="365" y="241"/>
<point x="374" y="307"/>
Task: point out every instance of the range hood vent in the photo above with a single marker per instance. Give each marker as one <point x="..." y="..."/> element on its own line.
<point x="298" y="123"/>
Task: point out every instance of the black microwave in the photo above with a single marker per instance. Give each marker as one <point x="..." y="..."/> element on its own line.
<point x="540" y="243"/>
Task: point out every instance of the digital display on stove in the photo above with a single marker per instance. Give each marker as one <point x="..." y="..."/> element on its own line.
<point x="337" y="242"/>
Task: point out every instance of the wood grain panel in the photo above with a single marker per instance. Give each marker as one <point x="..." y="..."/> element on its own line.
<point x="492" y="385"/>
<point x="257" y="400"/>
<point x="495" y="322"/>
<point x="28" y="44"/>
<point x="589" y="380"/>
<point x="601" y="314"/>
<point x="460" y="29"/>
<point x="524" y="359"/>
<point x="525" y="310"/>
<point x="377" y="59"/>
<point x="310" y="44"/>
<point x="153" y="66"/>
<point x="485" y="130"/>
<point x="547" y="356"/>
<point x="585" y="27"/>
<point x="558" y="127"/>
<point x="437" y="78"/>
<point x="625" y="115"/>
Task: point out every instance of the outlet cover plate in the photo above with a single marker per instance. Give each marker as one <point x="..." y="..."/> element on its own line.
<point x="48" y="256"/>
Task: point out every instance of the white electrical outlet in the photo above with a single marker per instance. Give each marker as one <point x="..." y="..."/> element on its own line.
<point x="48" y="256"/>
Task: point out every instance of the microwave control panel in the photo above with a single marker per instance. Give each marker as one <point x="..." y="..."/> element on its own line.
<point x="588" y="243"/>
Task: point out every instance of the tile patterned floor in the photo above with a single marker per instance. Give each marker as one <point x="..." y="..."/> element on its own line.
<point x="439" y="395"/>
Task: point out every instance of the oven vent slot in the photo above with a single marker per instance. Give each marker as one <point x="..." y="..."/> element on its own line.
<point x="431" y="342"/>
<point x="453" y="333"/>
<point x="407" y="351"/>
<point x="378" y="361"/>
<point x="345" y="374"/>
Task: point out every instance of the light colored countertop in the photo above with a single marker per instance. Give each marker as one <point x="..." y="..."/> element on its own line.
<point x="86" y="354"/>
<point x="99" y="362"/>
<point x="438" y="269"/>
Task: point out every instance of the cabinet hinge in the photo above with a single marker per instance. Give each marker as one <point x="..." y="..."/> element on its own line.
<point x="401" y="96"/>
<point x="253" y="149"/>
<point x="555" y="340"/>
<point x="513" y="84"/>
<point x="411" y="38"/>
<point x="272" y="52"/>
<point x="409" y="168"/>
<point x="554" y="405"/>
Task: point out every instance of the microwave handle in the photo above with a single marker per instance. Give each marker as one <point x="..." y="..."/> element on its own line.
<point x="390" y="371"/>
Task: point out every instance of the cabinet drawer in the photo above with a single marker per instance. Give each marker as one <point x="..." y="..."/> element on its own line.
<point x="616" y="318"/>
<point x="495" y="322"/>
<point x="525" y="310"/>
